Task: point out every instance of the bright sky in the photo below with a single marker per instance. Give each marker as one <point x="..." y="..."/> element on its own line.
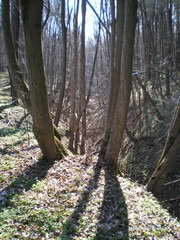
<point x="91" y="19"/>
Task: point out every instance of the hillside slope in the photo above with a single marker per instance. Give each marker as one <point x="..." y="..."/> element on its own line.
<point x="69" y="199"/>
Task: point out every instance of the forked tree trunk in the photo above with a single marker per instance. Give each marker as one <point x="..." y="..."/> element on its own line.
<point x="169" y="156"/>
<point x="116" y="50"/>
<point x="122" y="103"/>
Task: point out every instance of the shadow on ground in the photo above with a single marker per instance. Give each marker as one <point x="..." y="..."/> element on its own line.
<point x="4" y="132"/>
<point x="9" y="150"/>
<point x="4" y="107"/>
<point x="113" y="216"/>
<point x="113" y="219"/>
<point x="24" y="181"/>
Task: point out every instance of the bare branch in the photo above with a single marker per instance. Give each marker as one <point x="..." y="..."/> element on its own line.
<point x="98" y="17"/>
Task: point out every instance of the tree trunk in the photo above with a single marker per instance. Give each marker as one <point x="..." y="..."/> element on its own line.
<point x="83" y="79"/>
<point x="15" y="23"/>
<point x="64" y="61"/>
<point x="116" y="51"/>
<point x="73" y="85"/>
<point x="121" y="110"/>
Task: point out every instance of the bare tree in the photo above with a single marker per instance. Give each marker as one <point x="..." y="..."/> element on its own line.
<point x="116" y="51"/>
<point x="64" y="61"/>
<point x="83" y="79"/>
<point x="73" y="85"/>
<point x="15" y="26"/>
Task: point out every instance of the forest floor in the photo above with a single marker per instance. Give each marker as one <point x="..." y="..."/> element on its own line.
<point x="68" y="199"/>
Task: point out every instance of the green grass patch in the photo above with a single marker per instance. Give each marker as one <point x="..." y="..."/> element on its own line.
<point x="25" y="219"/>
<point x="39" y="186"/>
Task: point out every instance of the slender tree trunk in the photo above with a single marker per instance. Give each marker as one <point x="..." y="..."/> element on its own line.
<point x="73" y="122"/>
<point x="15" y="24"/>
<point x="83" y="79"/>
<point x="169" y="46"/>
<point x="64" y="61"/>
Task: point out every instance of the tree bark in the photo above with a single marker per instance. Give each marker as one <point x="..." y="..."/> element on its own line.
<point x="73" y="84"/>
<point x="116" y="51"/>
<point x="83" y="79"/>
<point x="121" y="110"/>
<point x="64" y="61"/>
<point x="15" y="24"/>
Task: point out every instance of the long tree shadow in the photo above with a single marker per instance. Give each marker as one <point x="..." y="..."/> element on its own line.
<point x="4" y="83"/>
<point x="4" y="132"/>
<point x="113" y="218"/>
<point x="71" y="225"/>
<point x="8" y="149"/>
<point x="10" y="105"/>
<point x="24" y="181"/>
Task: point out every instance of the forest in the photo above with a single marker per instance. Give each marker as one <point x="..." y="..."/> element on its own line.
<point x="90" y="119"/>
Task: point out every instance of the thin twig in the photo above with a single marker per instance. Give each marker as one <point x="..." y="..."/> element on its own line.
<point x="172" y="182"/>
